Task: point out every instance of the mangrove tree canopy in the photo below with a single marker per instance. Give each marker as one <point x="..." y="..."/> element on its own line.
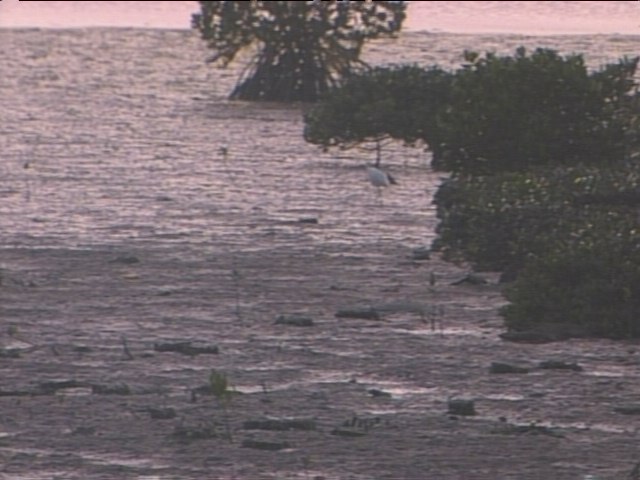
<point x="303" y="48"/>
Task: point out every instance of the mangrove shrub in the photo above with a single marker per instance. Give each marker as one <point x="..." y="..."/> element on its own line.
<point x="399" y="103"/>
<point x="302" y="49"/>
<point x="510" y="113"/>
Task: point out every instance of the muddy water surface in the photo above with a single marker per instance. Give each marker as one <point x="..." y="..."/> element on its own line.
<point x="125" y="228"/>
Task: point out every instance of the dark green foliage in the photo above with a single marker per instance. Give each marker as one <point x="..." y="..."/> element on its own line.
<point x="391" y="102"/>
<point x="513" y="113"/>
<point x="498" y="221"/>
<point x="495" y="114"/>
<point x="573" y="234"/>
<point x="546" y="184"/>
<point x="492" y="221"/>
<point x="304" y="48"/>
<point x="220" y="388"/>
<point x="590" y="279"/>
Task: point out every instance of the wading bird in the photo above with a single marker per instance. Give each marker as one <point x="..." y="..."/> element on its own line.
<point x="379" y="178"/>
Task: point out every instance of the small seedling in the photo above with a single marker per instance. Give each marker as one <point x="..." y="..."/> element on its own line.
<point x="220" y="389"/>
<point x="125" y="347"/>
<point x="435" y="314"/>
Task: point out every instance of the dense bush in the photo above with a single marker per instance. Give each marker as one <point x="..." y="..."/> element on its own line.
<point x="572" y="233"/>
<point x="495" y="222"/>
<point x="394" y="102"/>
<point x="495" y="114"/>
<point x="546" y="184"/>
<point x="590" y="279"/>
<point x="483" y="219"/>
<point x="515" y="112"/>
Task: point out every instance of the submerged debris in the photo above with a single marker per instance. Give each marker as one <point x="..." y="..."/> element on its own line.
<point x="9" y="353"/>
<point x="460" y="406"/>
<point x="294" y="320"/>
<point x="366" y="313"/>
<point x="126" y="260"/>
<point x="499" y="367"/>
<point x="162" y="413"/>
<point x="421" y="253"/>
<point x="51" y="387"/>
<point x="374" y="392"/>
<point x="628" y="409"/>
<point x="530" y="429"/>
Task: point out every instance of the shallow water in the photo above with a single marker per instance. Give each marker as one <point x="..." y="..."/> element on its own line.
<point x="121" y="132"/>
<point x="110" y="144"/>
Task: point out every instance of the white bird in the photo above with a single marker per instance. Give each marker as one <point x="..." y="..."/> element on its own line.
<point x="380" y="178"/>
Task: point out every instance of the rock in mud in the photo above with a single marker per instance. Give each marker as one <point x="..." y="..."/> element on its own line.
<point x="628" y="409"/>
<point x="9" y="353"/>
<point x="374" y="392"/>
<point x="294" y="320"/>
<point x="421" y="253"/>
<point x="84" y="431"/>
<point x="126" y="260"/>
<point x="82" y="349"/>
<point x="530" y="429"/>
<point x="162" y="413"/>
<point x="460" y="406"/>
<point x="499" y="367"/>
<point x="50" y="388"/>
<point x="367" y="313"/>
<point x="16" y="393"/>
